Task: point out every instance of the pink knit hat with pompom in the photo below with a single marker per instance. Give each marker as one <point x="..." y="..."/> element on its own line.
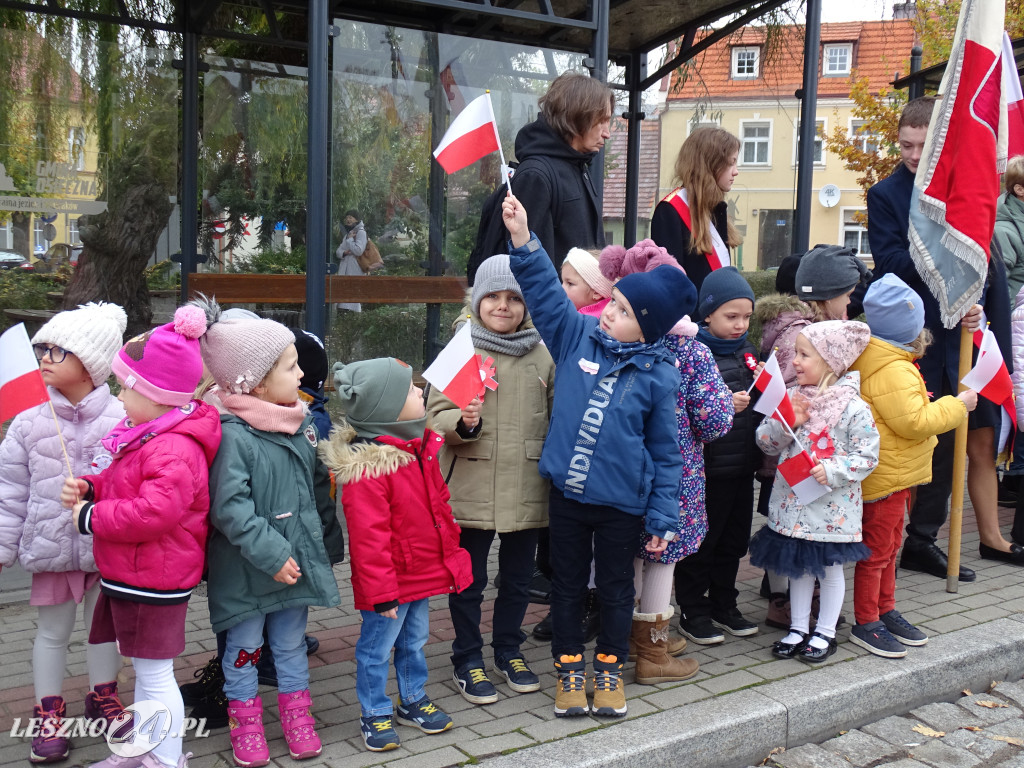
<point x="164" y="365"/>
<point x="617" y="262"/>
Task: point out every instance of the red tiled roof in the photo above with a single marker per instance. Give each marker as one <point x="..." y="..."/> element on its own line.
<point x="614" y="199"/>
<point x="881" y="50"/>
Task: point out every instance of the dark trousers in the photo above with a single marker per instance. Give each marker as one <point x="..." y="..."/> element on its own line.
<point x="611" y="538"/>
<point x="932" y="504"/>
<point x="713" y="567"/>
<point x="516" y="552"/>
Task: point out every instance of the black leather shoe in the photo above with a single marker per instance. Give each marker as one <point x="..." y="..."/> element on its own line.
<point x="543" y="629"/>
<point x="932" y="560"/>
<point x="312" y="645"/>
<point x="781" y="650"/>
<point x="813" y="655"/>
<point x="1015" y="555"/>
<point x="540" y="588"/>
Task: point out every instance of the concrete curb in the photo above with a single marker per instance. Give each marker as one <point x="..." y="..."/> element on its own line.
<point x="742" y="727"/>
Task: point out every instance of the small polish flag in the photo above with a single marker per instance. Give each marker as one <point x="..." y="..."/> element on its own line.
<point x="774" y="400"/>
<point x="1014" y="101"/>
<point x="457" y="370"/>
<point x="797" y="472"/>
<point x="473" y="134"/>
<point x="990" y="379"/>
<point x="21" y="383"/>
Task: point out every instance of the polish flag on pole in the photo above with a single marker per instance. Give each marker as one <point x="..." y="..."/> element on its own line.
<point x="1014" y="101"/>
<point x="473" y="134"/>
<point x="457" y="371"/>
<point x="21" y="383"/>
<point x="990" y="379"/>
<point x="797" y="472"/>
<point x="774" y="400"/>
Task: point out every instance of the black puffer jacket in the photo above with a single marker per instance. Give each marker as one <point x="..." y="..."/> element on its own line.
<point x="554" y="185"/>
<point x="735" y="454"/>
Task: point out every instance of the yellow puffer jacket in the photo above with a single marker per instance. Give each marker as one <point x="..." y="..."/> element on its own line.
<point x="907" y="420"/>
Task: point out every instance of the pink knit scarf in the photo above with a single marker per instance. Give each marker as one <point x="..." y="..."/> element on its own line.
<point x="268" y="417"/>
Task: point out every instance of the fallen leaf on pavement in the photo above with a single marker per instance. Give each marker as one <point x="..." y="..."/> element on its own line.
<point x="966" y="692"/>
<point x="969" y="728"/>
<point x="1009" y="740"/>
<point x="924" y="730"/>
<point x="991" y="704"/>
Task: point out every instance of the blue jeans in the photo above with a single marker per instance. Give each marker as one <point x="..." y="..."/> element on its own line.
<point x="407" y="635"/>
<point x="581" y="533"/>
<point x="516" y="554"/>
<point x="286" y="633"/>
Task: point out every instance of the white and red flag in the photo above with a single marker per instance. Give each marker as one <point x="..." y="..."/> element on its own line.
<point x="459" y="372"/>
<point x="774" y="400"/>
<point x="21" y="383"/>
<point x="956" y="189"/>
<point x="1014" y="101"/>
<point x="796" y="471"/>
<point x="990" y="379"/>
<point x="471" y="135"/>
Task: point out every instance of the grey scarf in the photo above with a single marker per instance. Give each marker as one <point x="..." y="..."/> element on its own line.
<point x="515" y="344"/>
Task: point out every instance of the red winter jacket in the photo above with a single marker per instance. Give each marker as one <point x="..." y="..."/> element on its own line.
<point x="151" y="513"/>
<point x="402" y="538"/>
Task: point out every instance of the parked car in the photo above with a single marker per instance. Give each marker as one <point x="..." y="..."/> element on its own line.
<point x="11" y="260"/>
<point x="58" y="254"/>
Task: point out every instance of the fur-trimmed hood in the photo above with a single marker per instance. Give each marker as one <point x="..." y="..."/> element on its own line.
<point x="771" y="306"/>
<point x="353" y="459"/>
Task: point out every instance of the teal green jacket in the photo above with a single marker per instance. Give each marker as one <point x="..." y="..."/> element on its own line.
<point x="269" y="500"/>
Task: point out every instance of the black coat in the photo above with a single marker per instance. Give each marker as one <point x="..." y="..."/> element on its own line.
<point x="669" y="231"/>
<point x="735" y="454"/>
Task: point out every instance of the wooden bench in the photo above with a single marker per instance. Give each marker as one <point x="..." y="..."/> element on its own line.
<point x="365" y="289"/>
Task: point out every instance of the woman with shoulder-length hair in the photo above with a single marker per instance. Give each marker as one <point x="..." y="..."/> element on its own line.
<point x="692" y="223"/>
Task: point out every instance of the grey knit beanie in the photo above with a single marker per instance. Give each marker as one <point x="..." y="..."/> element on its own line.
<point x="240" y="352"/>
<point x="372" y="392"/>
<point x="828" y="271"/>
<point x="494" y="274"/>
<point x="93" y="333"/>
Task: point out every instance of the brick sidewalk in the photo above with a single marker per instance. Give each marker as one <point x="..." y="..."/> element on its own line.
<point x="515" y="721"/>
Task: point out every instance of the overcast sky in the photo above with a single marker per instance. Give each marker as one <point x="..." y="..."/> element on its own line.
<point x="864" y="10"/>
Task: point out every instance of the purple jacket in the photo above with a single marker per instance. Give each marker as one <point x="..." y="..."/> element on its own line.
<point x="34" y="528"/>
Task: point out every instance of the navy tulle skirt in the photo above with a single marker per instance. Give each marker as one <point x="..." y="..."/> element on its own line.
<point x="799" y="557"/>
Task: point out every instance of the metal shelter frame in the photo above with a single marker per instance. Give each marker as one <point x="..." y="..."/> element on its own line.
<point x="622" y="31"/>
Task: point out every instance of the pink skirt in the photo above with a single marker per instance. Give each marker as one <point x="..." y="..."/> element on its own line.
<point x="141" y="630"/>
<point x="60" y="588"/>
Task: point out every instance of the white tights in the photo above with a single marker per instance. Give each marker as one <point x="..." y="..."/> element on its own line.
<point x="801" y="592"/>
<point x="154" y="681"/>
<point x="653" y="584"/>
<point x="50" y="649"/>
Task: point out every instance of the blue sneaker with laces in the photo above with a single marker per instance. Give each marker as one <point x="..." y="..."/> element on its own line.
<point x="519" y="676"/>
<point x="474" y="685"/>
<point x="423" y="714"/>
<point x="379" y="735"/>
<point x="902" y="629"/>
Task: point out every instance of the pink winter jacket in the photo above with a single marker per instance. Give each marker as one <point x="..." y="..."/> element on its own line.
<point x="34" y="528"/>
<point x="1017" y="328"/>
<point x="151" y="513"/>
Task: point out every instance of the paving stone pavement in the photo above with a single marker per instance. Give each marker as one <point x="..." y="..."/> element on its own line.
<point x="741" y="706"/>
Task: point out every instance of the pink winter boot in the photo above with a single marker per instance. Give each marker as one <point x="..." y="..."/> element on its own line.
<point x="298" y="725"/>
<point x="248" y="742"/>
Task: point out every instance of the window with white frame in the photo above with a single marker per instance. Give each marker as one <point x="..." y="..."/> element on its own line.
<point x="855" y="234"/>
<point x="837" y="59"/>
<point x="6" y="237"/>
<point x="819" y="141"/>
<point x="39" y="241"/>
<point x="76" y="147"/>
<point x="867" y="141"/>
<point x="755" y="143"/>
<point x="73" y="237"/>
<point x="745" y="62"/>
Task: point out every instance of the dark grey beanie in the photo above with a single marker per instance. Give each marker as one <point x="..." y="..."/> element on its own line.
<point x="827" y="271"/>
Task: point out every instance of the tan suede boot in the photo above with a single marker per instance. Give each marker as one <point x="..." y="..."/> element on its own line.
<point x="654" y="664"/>
<point x="676" y="645"/>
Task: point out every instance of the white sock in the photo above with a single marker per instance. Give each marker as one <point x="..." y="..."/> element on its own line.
<point x="792" y="638"/>
<point x="657" y="588"/>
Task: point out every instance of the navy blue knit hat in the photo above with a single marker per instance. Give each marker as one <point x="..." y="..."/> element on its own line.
<point x="312" y="359"/>
<point x="720" y="286"/>
<point x="659" y="299"/>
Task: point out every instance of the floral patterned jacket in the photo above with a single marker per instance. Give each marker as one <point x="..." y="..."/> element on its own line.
<point x="837" y="515"/>
<point x="703" y="413"/>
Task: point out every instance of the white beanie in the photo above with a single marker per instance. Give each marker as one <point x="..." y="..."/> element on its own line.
<point x="589" y="269"/>
<point x="93" y="333"/>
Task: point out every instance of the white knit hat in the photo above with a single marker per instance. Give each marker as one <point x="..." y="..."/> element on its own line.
<point x="93" y="333"/>
<point x="589" y="268"/>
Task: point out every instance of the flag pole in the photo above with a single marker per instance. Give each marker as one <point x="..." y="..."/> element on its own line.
<point x="60" y="436"/>
<point x="501" y="152"/>
<point x="956" y="505"/>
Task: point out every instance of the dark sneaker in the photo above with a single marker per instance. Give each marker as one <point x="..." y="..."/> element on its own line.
<point x="516" y="672"/>
<point x="732" y="621"/>
<point x="700" y="630"/>
<point x="543" y="629"/>
<point x="474" y="685"/>
<point x="312" y="645"/>
<point x="540" y="588"/>
<point x="214" y="710"/>
<point x="47" y="746"/>
<point x="902" y="629"/>
<point x="875" y="638"/>
<point x="423" y="714"/>
<point x="379" y="735"/>
<point x="210" y="679"/>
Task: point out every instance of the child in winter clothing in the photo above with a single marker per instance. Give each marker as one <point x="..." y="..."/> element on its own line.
<point x="74" y="351"/>
<point x="907" y="423"/>
<point x="490" y="464"/>
<point x="274" y="527"/>
<point x="403" y="539"/>
<point x="588" y="289"/>
<point x="725" y="305"/>
<point x="148" y="515"/>
<point x="615" y="396"/>
<point x="811" y="541"/>
<point x="314" y="365"/>
<point x="704" y="413"/>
